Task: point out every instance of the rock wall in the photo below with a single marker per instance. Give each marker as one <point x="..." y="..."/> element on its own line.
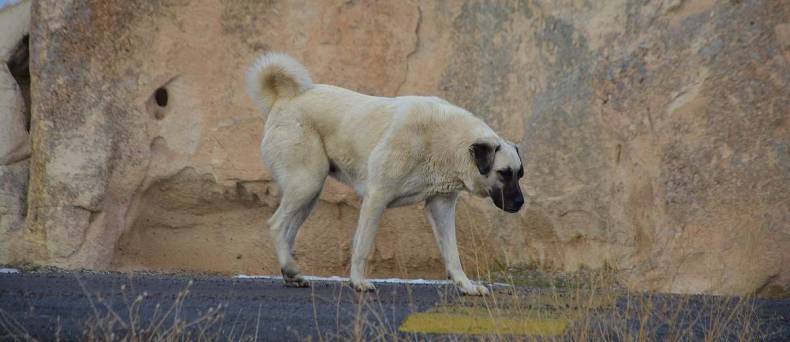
<point x="14" y="118"/>
<point x="655" y="134"/>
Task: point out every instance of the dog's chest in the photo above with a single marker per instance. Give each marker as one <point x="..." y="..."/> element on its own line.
<point x="407" y="200"/>
<point x="421" y="190"/>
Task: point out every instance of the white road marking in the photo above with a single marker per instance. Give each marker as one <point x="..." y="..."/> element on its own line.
<point x="381" y="281"/>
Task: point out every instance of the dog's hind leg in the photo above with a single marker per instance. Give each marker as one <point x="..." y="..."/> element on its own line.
<point x="300" y="170"/>
<point x="284" y="225"/>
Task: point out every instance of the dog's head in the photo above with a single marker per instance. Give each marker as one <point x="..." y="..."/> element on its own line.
<point x="500" y="167"/>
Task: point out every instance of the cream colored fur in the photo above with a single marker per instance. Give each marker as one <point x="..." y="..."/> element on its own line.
<point x="391" y="151"/>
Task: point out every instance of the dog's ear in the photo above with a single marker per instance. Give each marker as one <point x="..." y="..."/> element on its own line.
<point x="521" y="162"/>
<point x="483" y="156"/>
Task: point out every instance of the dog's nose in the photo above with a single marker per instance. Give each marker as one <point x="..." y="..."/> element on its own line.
<point x="518" y="202"/>
<point x="516" y="205"/>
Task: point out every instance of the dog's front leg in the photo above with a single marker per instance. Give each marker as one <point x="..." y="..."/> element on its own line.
<point x="441" y="214"/>
<point x="373" y="206"/>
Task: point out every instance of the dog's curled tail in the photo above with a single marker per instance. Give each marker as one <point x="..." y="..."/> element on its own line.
<point x="275" y="76"/>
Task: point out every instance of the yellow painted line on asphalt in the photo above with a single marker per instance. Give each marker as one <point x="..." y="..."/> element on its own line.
<point x="473" y="324"/>
<point x="539" y="314"/>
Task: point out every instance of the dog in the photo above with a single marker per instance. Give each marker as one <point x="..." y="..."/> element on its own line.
<point x="392" y="151"/>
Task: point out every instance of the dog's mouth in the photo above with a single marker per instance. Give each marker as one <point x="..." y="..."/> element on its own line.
<point x="512" y="210"/>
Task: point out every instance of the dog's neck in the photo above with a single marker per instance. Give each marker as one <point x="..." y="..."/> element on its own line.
<point x="469" y="173"/>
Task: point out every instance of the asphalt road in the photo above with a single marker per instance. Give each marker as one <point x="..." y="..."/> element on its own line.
<point x="46" y="305"/>
<point x="70" y="306"/>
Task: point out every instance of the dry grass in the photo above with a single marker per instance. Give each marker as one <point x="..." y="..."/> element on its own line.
<point x="133" y="323"/>
<point x="592" y="304"/>
<point x="12" y="329"/>
<point x="165" y="324"/>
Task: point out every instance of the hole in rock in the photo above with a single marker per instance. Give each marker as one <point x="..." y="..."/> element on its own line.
<point x="19" y="66"/>
<point x="160" y="95"/>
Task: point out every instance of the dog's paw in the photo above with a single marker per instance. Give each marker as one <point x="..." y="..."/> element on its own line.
<point x="363" y="286"/>
<point x="294" y="279"/>
<point x="473" y="290"/>
<point x="297" y="281"/>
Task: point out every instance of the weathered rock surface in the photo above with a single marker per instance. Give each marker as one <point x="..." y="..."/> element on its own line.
<point x="655" y="134"/>
<point x="14" y="116"/>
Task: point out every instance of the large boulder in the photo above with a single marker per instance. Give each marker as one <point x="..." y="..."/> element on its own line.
<point x="14" y="118"/>
<point x="655" y="134"/>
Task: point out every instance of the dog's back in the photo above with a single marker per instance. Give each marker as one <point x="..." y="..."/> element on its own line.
<point x="351" y="125"/>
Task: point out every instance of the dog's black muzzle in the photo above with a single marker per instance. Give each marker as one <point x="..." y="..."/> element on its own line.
<point x="509" y="198"/>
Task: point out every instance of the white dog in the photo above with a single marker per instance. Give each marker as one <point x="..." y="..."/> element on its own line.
<point x="392" y="151"/>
